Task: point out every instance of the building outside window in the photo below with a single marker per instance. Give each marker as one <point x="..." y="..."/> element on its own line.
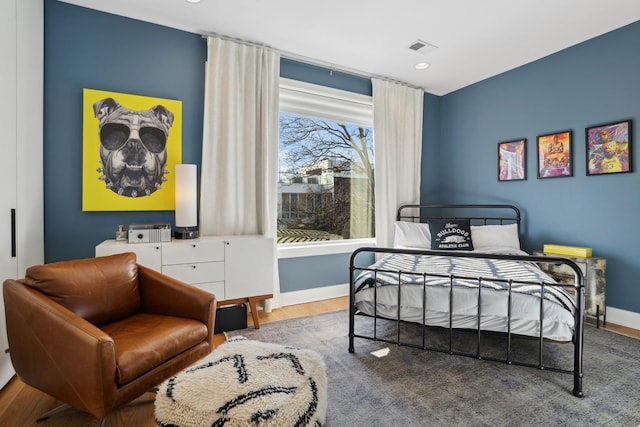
<point x="325" y="185"/>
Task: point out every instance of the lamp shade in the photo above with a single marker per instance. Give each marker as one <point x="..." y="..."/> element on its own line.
<point x="186" y="195"/>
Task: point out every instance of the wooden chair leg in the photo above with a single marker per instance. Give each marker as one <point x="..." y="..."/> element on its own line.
<point x="53" y="411"/>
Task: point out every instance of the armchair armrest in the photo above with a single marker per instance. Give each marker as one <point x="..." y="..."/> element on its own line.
<point x="162" y="294"/>
<point x="43" y="333"/>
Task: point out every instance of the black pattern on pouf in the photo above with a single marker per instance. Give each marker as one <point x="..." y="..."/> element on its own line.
<point x="246" y="383"/>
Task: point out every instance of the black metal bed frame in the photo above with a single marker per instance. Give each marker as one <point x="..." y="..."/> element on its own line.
<point x="514" y="217"/>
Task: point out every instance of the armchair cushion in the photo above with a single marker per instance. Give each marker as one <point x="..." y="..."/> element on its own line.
<point x="144" y="341"/>
<point x="100" y="290"/>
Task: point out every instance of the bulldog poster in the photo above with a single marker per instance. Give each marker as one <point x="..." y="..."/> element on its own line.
<point x="131" y="144"/>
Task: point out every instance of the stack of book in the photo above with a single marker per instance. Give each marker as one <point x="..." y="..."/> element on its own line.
<point x="574" y="251"/>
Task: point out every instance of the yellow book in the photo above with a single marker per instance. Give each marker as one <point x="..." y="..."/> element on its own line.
<point x="574" y="251"/>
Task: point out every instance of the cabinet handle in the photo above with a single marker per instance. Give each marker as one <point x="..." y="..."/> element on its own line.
<point x="13" y="233"/>
<point x="194" y="267"/>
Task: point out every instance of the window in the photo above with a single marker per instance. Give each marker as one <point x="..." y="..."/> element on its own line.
<point x="325" y="185"/>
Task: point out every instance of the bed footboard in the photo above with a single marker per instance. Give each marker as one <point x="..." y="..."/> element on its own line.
<point x="376" y="309"/>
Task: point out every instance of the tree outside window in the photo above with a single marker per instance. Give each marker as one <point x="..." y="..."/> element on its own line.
<point x="326" y="184"/>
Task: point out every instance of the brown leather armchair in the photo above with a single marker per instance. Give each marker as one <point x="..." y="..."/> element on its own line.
<point x="97" y="333"/>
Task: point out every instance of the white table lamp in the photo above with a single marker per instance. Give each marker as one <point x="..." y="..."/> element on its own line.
<point x="186" y="201"/>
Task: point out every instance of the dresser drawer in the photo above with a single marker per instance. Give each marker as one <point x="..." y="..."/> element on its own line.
<point x="216" y="288"/>
<point x="192" y="252"/>
<point x="562" y="272"/>
<point x="194" y="273"/>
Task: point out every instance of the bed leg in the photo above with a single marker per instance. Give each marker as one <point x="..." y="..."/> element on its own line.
<point x="577" y="386"/>
<point x="351" y="347"/>
<point x="579" y="338"/>
<point x="351" y="333"/>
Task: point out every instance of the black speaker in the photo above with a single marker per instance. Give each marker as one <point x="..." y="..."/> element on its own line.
<point x="230" y="318"/>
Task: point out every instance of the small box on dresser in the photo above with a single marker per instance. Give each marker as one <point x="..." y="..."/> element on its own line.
<point x="595" y="284"/>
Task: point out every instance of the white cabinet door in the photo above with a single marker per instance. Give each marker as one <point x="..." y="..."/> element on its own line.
<point x="248" y="267"/>
<point x="21" y="87"/>
<point x="147" y="254"/>
<point x="8" y="255"/>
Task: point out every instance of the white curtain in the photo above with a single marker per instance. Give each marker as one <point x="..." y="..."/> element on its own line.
<point x="240" y="140"/>
<point x="238" y="191"/>
<point x="397" y="126"/>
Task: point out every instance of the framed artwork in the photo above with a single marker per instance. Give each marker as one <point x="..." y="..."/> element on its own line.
<point x="555" y="157"/>
<point x="131" y="144"/>
<point x="609" y="148"/>
<point x="512" y="160"/>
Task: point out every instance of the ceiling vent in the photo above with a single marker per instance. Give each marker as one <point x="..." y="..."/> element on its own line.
<point x="422" y="47"/>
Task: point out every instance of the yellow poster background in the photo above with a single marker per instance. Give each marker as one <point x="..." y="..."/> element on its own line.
<point x="95" y="194"/>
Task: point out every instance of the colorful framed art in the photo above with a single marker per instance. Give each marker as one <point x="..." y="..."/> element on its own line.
<point x="130" y="143"/>
<point x="609" y="148"/>
<point x="512" y="160"/>
<point x="555" y="156"/>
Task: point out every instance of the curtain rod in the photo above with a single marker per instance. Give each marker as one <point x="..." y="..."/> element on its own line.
<point x="311" y="61"/>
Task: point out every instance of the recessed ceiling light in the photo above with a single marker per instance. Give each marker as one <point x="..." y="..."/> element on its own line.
<point x="193" y="1"/>
<point x="422" y="65"/>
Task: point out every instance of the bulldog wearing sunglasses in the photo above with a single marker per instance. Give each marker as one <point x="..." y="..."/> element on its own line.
<point x="133" y="147"/>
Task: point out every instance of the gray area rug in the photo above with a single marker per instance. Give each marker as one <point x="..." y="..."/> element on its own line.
<point x="412" y="387"/>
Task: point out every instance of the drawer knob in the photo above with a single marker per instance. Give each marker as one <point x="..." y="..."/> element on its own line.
<point x="194" y="267"/>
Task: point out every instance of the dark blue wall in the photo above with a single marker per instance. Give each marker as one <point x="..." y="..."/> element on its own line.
<point x="89" y="49"/>
<point x="592" y="83"/>
<point x="589" y="84"/>
<point x="430" y="179"/>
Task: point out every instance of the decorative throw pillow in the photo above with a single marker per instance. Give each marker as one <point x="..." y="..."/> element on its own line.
<point x="451" y="234"/>
<point x="495" y="236"/>
<point x="411" y="235"/>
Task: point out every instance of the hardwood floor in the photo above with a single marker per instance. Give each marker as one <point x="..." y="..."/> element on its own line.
<point x="21" y="405"/>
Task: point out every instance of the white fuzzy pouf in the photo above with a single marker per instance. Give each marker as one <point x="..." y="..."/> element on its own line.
<point x="246" y="383"/>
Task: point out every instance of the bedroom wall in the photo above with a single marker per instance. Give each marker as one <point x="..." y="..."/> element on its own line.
<point x="91" y="49"/>
<point x="589" y="84"/>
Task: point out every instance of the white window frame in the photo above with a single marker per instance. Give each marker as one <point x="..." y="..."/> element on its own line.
<point x="321" y="101"/>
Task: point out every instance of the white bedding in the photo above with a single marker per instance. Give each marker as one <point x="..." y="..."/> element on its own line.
<point x="558" y="305"/>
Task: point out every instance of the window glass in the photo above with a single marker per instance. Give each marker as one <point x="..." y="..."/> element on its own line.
<point x="325" y="185"/>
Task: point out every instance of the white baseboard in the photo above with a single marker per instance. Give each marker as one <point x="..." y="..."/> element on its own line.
<point x="626" y="318"/>
<point x="314" y="294"/>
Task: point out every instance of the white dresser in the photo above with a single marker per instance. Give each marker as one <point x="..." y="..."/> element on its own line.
<point x="230" y="267"/>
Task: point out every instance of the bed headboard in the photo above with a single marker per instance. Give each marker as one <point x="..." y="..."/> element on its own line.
<point x="477" y="214"/>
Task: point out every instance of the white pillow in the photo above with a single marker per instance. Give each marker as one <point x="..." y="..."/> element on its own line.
<point x="492" y="236"/>
<point x="412" y="235"/>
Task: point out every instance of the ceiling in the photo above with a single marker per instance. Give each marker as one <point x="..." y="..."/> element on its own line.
<point x="474" y="39"/>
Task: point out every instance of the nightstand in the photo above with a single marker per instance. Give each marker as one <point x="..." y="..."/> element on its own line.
<point x="595" y="284"/>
